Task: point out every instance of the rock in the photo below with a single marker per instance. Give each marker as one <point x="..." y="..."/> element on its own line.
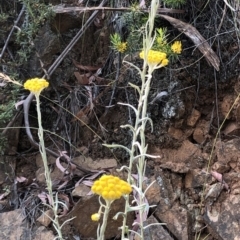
<point x="43" y="233"/>
<point x="7" y="186"/>
<point x="220" y="167"/>
<point x="175" y="167"/>
<point x="232" y="129"/>
<point x="45" y="218"/>
<point x="97" y="164"/>
<point x="47" y="44"/>
<point x="154" y="232"/>
<point x="188" y="153"/>
<point x="153" y="193"/>
<point x="226" y="105"/>
<point x="178" y="221"/>
<point x="64" y="22"/>
<point x="213" y="191"/>
<point x="237" y="114"/>
<point x="175" y="133"/>
<point x="193" y="118"/>
<point x="222" y="219"/>
<point x="39" y="161"/>
<point x="12" y="136"/>
<point x="12" y="226"/>
<point x="55" y="175"/>
<point x="228" y="153"/>
<point x="201" y="131"/>
<point x="161" y="191"/>
<point x="81" y="190"/>
<point x="83" y="224"/>
<point x="196" y="178"/>
<point x="174" y="108"/>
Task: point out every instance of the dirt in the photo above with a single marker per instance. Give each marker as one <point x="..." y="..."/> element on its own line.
<point x="195" y="135"/>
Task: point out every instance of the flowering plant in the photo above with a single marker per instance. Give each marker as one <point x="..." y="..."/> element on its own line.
<point x="155" y="53"/>
<point x="109" y="188"/>
<point x="36" y="85"/>
<point x="117" y="44"/>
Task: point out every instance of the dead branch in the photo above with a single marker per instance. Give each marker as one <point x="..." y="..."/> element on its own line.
<point x="62" y="9"/>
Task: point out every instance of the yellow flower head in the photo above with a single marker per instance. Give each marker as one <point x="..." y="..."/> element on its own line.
<point x="95" y="217"/>
<point x="36" y="85"/>
<point x="121" y="47"/>
<point x="155" y="57"/>
<point x="177" y="47"/>
<point x="164" y="62"/>
<point x="111" y="187"/>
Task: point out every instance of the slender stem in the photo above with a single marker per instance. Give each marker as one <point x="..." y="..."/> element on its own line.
<point x="141" y="163"/>
<point x="42" y="150"/>
<point x="105" y="217"/>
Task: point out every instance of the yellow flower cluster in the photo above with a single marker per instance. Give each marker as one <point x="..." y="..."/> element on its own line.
<point x="36" y="85"/>
<point x="122" y="47"/>
<point x="111" y="187"/>
<point x="177" y="47"/>
<point x="95" y="217"/>
<point x="155" y="57"/>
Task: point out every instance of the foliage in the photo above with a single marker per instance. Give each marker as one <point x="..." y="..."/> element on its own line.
<point x="134" y="21"/>
<point x="162" y="44"/>
<point x="37" y="13"/>
<point x="174" y="3"/>
<point x="3" y="144"/>
<point x="7" y="111"/>
<point x="3" y="17"/>
<point x="117" y="44"/>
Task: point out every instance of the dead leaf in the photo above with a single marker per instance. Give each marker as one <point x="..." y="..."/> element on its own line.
<point x="2" y="196"/>
<point x="70" y="168"/>
<point x="85" y="68"/>
<point x="65" y="182"/>
<point x="66" y="204"/>
<point x="6" y="78"/>
<point x="231" y="128"/>
<point x="21" y="179"/>
<point x="200" y="42"/>
<point x="142" y="4"/>
<point x="42" y="196"/>
<point x="98" y="23"/>
<point x="82" y="78"/>
<point x="82" y="117"/>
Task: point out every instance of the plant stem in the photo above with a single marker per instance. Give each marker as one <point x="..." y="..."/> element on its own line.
<point x="105" y="217"/>
<point x="140" y="124"/>
<point x="47" y="170"/>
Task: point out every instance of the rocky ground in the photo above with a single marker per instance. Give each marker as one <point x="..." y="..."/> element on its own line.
<point x="196" y="120"/>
